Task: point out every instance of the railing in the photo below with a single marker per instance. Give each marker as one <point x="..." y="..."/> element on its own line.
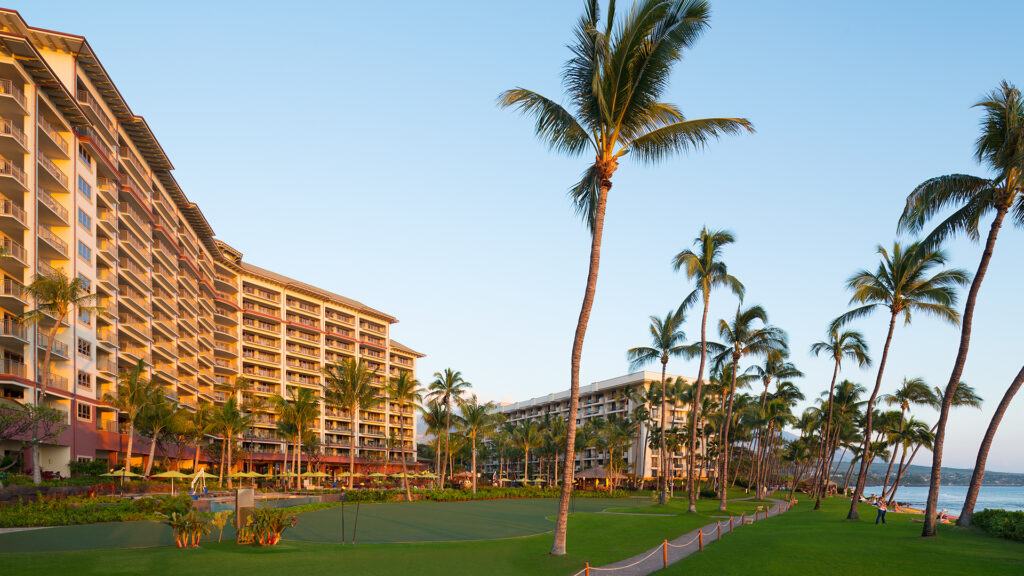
<point x="101" y="146"/>
<point x="303" y="306"/>
<point x="295" y="318"/>
<point x="253" y="355"/>
<point x="105" y="364"/>
<point x="139" y="270"/>
<point x="400" y="360"/>
<point x="340" y="345"/>
<point x="303" y="365"/>
<point x="14" y="368"/>
<point x="343" y="318"/>
<point x="9" y="128"/>
<point x="107" y="185"/>
<point x="340" y="331"/>
<point x="86" y="97"/>
<point x="128" y="155"/>
<point x="265" y="389"/>
<point x="51" y="203"/>
<point x="58" y="346"/>
<point x="7" y="88"/>
<point x="227" y="331"/>
<point x="260" y="372"/>
<point x="302" y="350"/>
<point x="47" y="234"/>
<point x="107" y="216"/>
<point x="224" y="363"/>
<point x="266" y="295"/>
<point x="258" y="308"/>
<point x="303" y="336"/>
<point x="12" y="288"/>
<point x="371" y="327"/>
<point x="258" y="340"/>
<point x="8" y="168"/>
<point x="261" y="325"/>
<point x="53" y="134"/>
<point x="52" y="169"/>
<point x="9" y="208"/>
<point x="303" y="380"/>
<point x="54" y="381"/>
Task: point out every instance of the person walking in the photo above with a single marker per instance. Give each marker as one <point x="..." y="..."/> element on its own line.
<point x="881" y="513"/>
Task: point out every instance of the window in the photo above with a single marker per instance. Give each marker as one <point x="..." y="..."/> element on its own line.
<point x="84" y="380"/>
<point x="84" y="252"/>
<point x="84" y="155"/>
<point x="84" y="188"/>
<point x="85" y="348"/>
<point x="85" y="317"/>
<point x="86" y="283"/>
<point x="84" y="411"/>
<point x="84" y="220"/>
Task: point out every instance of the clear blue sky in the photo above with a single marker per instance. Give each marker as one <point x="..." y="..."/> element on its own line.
<point x="357" y="146"/>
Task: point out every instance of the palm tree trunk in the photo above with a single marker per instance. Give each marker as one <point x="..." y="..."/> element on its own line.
<point x="954" y="378"/>
<point x="128" y="455"/>
<point x="562" y="520"/>
<point x="223" y="454"/>
<point x="826" y="463"/>
<point x="352" y="449"/>
<point x="890" y="496"/>
<point x="152" y="452"/>
<point x="865" y="458"/>
<point x="888" y="470"/>
<point x="405" y="477"/>
<point x="526" y="465"/>
<point x="849" y="473"/>
<point x="474" y="463"/>
<point x="37" y="469"/>
<point x="725" y="432"/>
<point x="663" y="453"/>
<point x="986" y="443"/>
<point x="298" y="458"/>
<point x="691" y="457"/>
<point x="195" y="456"/>
<point x="230" y="441"/>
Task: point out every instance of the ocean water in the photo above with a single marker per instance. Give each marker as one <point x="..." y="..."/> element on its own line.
<point x="951" y="498"/>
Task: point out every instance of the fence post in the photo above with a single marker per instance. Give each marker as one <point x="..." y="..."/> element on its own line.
<point x="730" y="524"/>
<point x="664" y="553"/>
<point x="743" y="518"/>
<point x="700" y="540"/>
<point x="586" y="568"/>
<point x="719" y="523"/>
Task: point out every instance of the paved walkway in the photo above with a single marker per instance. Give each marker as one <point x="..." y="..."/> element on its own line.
<point x="654" y="559"/>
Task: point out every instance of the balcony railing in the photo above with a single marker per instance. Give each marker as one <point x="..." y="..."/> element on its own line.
<point x="51" y="203"/>
<point x="266" y="295"/>
<point x="14" y="368"/>
<point x="10" y="327"/>
<point x="53" y="134"/>
<point x="303" y="306"/>
<point x="7" y="88"/>
<point x="55" y="381"/>
<point x="52" y="169"/>
<point x="86" y="97"/>
<point x="48" y="235"/>
<point x="371" y="327"/>
<point x="8" y="168"/>
<point x="9" y="128"/>
<point x="12" y="288"/>
<point x="59" y="348"/>
<point x="12" y="210"/>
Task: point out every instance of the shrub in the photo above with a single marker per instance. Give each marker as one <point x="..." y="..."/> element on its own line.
<point x="188" y="528"/>
<point x="708" y="493"/>
<point x="265" y="526"/>
<point x="90" y="468"/>
<point x="1003" y="523"/>
<point x="85" y="510"/>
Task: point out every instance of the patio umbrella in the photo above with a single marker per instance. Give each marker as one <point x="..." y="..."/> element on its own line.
<point x="122" y="473"/>
<point x="173" y="475"/>
<point x="378" y="475"/>
<point x="428" y="475"/>
<point x="398" y="475"/>
<point x="203" y="474"/>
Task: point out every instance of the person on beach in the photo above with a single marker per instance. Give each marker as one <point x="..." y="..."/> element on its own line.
<point x="881" y="513"/>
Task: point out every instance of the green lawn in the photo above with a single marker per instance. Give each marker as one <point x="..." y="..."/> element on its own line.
<point x="803" y="541"/>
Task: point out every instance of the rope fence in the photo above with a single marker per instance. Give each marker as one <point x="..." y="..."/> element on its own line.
<point x="699" y="539"/>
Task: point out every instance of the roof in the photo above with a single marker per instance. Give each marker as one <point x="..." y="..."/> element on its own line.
<point x="294" y="284"/>
<point x="396" y="345"/>
<point x="597" y="472"/>
<point x="640" y="377"/>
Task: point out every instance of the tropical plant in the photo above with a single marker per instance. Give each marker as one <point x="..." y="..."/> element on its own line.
<point x="1000" y="147"/>
<point x="265" y="526"/>
<point x="18" y="421"/>
<point x="219" y="520"/>
<point x="775" y="368"/>
<point x="404" y="390"/>
<point x="528" y="436"/>
<point x="839" y="345"/>
<point x="448" y="387"/>
<point x="748" y="334"/>
<point x="57" y="298"/>
<point x="134" y="392"/>
<point x="705" y="267"/>
<point x="188" y="528"/>
<point x="229" y="421"/>
<point x="666" y="342"/>
<point x="435" y="415"/>
<point x="904" y="283"/>
<point x="157" y="417"/>
<point x="350" y="385"/>
<point x="615" y="80"/>
<point x="197" y="426"/>
<point x="477" y="422"/>
<point x="299" y="413"/>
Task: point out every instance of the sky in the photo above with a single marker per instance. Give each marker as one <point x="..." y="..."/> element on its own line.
<point x="358" y="147"/>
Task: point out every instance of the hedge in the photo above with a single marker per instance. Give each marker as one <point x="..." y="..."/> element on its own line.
<point x="85" y="510"/>
<point x="1003" y="523"/>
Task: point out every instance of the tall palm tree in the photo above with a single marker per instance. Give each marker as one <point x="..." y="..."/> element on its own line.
<point x="904" y="283"/>
<point x="986" y="444"/>
<point x="158" y="417"/>
<point x="910" y="433"/>
<point x="229" y="421"/>
<point x="435" y="415"/>
<point x="299" y="412"/>
<point x="135" y="391"/>
<point x="615" y="80"/>
<point x="705" y="267"/>
<point x="775" y="368"/>
<point x="554" y="436"/>
<point x="912" y="391"/>
<point x="749" y="334"/>
<point x="448" y="387"/>
<point x="839" y="345"/>
<point x="405" y="391"/>
<point x="666" y="342"/>
<point x="1000" y="147"/>
<point x="57" y="298"/>
<point x="528" y="436"/>
<point x="198" y="425"/>
<point x="477" y="423"/>
<point x="350" y="385"/>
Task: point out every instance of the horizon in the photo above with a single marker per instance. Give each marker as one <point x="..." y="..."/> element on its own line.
<point x="477" y="223"/>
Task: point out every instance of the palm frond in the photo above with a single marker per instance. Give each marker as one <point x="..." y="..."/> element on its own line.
<point x="554" y="124"/>
<point x="682" y="137"/>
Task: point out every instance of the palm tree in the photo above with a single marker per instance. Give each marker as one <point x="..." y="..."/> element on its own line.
<point x="229" y="421"/>
<point x="159" y="416"/>
<point x="774" y="369"/>
<point x="1001" y="148"/>
<point x="911" y="432"/>
<point x="554" y="437"/>
<point x="705" y="267"/>
<point x="477" y="422"/>
<point x="198" y="425"/>
<point x="798" y="453"/>
<point x="57" y="298"/>
<point x="615" y="80"/>
<point x="448" y="387"/>
<point x="350" y="385"/>
<point x="742" y="338"/>
<point x="528" y="436"/>
<point x="434" y="416"/>
<point x="986" y="443"/>
<point x="134" y="392"/>
<point x="404" y="390"/>
<point x="839" y="345"/>
<point x="904" y="284"/>
<point x="298" y="414"/>
<point x="666" y="341"/>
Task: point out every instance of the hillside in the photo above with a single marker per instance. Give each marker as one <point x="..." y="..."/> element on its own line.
<point x="918" y="476"/>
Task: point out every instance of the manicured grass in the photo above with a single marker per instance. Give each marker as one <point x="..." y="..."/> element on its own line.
<point x="707" y="507"/>
<point x="803" y="541"/>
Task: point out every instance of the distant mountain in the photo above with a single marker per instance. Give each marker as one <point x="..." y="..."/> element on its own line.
<point x="919" y="475"/>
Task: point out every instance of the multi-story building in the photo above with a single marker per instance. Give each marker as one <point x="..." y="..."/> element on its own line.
<point x="604" y="399"/>
<point x="86" y="188"/>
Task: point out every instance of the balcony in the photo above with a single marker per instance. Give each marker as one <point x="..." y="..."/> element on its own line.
<point x="258" y="356"/>
<point x="108" y="250"/>
<point x="303" y="321"/>
<point x="59" y="349"/>
<point x="260" y="293"/>
<point x="107" y="191"/>
<point x="55" y="173"/>
<point x="297" y="334"/>
<point x="12" y="330"/>
<point x="129" y="159"/>
<point x="107" y="336"/>
<point x="54" y="140"/>
<point x="226" y="283"/>
<point x="303" y="306"/>
<point x="10" y="94"/>
<point x="87" y="135"/>
<point x="12" y="177"/>
<point x="10" y="367"/>
<point x="260" y="325"/>
<point x="92" y="106"/>
<point x="13" y="218"/>
<point x="16" y="260"/>
<point x="372" y="327"/>
<point x="340" y="317"/>
<point x="12" y="139"/>
<point x="261" y="372"/>
<point x="57" y="248"/>
<point x="12" y="295"/>
<point x="55" y="381"/>
<point x="55" y="214"/>
<point x="225" y="349"/>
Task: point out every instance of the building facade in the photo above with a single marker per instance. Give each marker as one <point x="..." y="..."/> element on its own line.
<point x="86" y="188"/>
<point x="604" y="399"/>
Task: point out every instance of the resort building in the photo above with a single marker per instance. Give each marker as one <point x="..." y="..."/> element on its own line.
<point x="604" y="399"/>
<point x="86" y="188"/>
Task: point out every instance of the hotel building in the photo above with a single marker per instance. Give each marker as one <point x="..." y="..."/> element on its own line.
<point x="601" y="400"/>
<point x="86" y="188"/>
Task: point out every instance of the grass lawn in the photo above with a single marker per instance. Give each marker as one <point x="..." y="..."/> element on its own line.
<point x="803" y="541"/>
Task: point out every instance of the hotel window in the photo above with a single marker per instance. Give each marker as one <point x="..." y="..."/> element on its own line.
<point x="84" y="411"/>
<point x="84" y="220"/>
<point x="85" y="317"/>
<point x="85" y="348"/>
<point x="85" y="156"/>
<point x="86" y="283"/>
<point x="84" y="380"/>
<point x="84" y="187"/>
<point x="84" y="252"/>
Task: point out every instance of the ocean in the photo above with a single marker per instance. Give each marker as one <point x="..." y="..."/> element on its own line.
<point x="951" y="498"/>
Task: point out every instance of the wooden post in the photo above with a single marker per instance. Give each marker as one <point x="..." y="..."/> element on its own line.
<point x="700" y="540"/>
<point x="743" y="518"/>
<point x="719" y="523"/>
<point x="730" y="523"/>
<point x="664" y="553"/>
